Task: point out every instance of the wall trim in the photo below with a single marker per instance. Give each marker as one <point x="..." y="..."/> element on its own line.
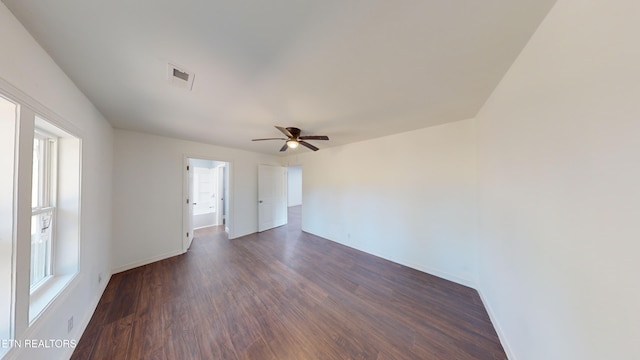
<point x="425" y="269"/>
<point x="147" y="261"/>
<point x="496" y="325"/>
<point x="87" y="317"/>
<point x="15" y="94"/>
<point x="242" y="234"/>
<point x="438" y="273"/>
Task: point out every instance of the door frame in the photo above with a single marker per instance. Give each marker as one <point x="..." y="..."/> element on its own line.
<point x="186" y="185"/>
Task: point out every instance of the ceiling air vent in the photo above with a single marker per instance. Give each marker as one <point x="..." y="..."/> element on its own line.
<point x="180" y="77"/>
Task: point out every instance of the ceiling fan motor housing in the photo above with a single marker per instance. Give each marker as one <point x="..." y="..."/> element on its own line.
<point x="295" y="132"/>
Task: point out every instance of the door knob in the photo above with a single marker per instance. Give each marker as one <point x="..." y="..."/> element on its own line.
<point x="260" y="201"/>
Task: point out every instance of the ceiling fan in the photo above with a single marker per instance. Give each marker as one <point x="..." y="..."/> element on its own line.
<point x="294" y="139"/>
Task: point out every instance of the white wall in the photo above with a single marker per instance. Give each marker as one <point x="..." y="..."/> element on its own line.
<point x="560" y="172"/>
<point x="148" y="194"/>
<point x="294" y="185"/>
<point x="27" y="72"/>
<point x="409" y="198"/>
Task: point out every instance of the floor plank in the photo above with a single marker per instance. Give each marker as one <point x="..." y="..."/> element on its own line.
<point x="285" y="294"/>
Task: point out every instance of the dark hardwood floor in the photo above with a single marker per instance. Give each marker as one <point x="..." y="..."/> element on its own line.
<point x="284" y="294"/>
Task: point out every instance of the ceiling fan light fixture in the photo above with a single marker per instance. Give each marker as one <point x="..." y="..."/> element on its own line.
<point x="294" y="140"/>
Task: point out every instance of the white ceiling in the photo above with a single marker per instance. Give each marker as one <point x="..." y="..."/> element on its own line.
<point x="352" y="70"/>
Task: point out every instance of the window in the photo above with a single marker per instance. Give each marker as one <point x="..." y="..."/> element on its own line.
<point x="50" y="232"/>
<point x="43" y="210"/>
<point x="55" y="213"/>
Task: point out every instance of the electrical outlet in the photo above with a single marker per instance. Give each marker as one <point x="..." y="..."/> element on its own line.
<point x="100" y="278"/>
<point x="70" y="324"/>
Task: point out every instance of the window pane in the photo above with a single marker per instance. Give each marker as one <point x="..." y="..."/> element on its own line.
<point x="35" y="180"/>
<point x="41" y="230"/>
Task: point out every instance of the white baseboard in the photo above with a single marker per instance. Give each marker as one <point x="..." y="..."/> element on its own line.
<point x="87" y="318"/>
<point x="242" y="234"/>
<point x="496" y="325"/>
<point x="425" y="269"/>
<point x="138" y="263"/>
<point x="435" y="272"/>
<point x="206" y="226"/>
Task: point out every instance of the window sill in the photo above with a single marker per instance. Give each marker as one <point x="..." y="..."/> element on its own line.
<point x="45" y="294"/>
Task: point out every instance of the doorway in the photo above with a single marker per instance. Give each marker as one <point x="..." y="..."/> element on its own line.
<point x="294" y="186"/>
<point x="279" y="195"/>
<point x="294" y="195"/>
<point x="207" y="196"/>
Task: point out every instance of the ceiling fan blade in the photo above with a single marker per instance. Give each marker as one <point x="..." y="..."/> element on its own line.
<point x="269" y="139"/>
<point x="304" y="143"/>
<point x="284" y="148"/>
<point x="314" y="137"/>
<point x="284" y="131"/>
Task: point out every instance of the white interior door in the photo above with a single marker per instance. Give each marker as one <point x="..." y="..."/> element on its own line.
<point x="272" y="197"/>
<point x="220" y="196"/>
<point x="189" y="204"/>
